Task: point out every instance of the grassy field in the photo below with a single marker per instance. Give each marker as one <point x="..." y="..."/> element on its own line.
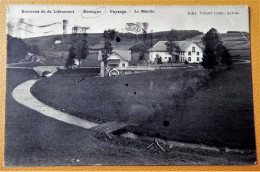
<point x="32" y="139"/>
<point x="171" y="104"/>
<point x="219" y="114"/>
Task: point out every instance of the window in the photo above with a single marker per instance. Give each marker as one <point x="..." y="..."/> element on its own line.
<point x="198" y="59"/>
<point x="157" y="55"/>
<point x="198" y="53"/>
<point x="183" y="59"/>
<point x="165" y="58"/>
<point x="189" y="53"/>
<point x="193" y="49"/>
<point x="123" y="64"/>
<point x="189" y="59"/>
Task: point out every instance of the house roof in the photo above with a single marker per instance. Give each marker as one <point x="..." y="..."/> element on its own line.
<point x="160" y="46"/>
<point x="124" y="54"/>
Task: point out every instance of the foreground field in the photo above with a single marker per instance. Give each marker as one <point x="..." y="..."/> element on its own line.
<point x="171" y="104"/>
<point x="32" y="139"/>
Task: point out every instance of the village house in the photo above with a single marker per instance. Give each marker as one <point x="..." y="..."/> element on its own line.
<point x="189" y="51"/>
<point x="117" y="59"/>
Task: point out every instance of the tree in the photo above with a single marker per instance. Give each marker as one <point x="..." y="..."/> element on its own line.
<point x="83" y="50"/>
<point x="171" y="47"/>
<point x="35" y="49"/>
<point x="226" y="58"/>
<point x="70" y="60"/>
<point x="211" y="39"/>
<point x="209" y="59"/>
<point x="79" y="42"/>
<point x="144" y="48"/>
<point x="108" y="36"/>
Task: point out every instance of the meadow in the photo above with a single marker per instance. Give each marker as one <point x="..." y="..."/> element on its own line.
<point x="171" y="104"/>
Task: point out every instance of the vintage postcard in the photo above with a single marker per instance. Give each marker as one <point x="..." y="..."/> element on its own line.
<point x="128" y="85"/>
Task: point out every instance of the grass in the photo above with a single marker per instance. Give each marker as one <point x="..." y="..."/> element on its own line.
<point x="32" y="139"/>
<point x="78" y="72"/>
<point x="220" y="114"/>
<point x="170" y="104"/>
<point x="106" y="99"/>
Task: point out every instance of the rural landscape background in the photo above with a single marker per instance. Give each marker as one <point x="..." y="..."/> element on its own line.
<point x="180" y="104"/>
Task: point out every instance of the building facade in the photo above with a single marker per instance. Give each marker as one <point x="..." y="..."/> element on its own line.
<point x="190" y="52"/>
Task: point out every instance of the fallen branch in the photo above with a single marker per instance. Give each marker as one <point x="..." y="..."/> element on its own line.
<point x="108" y="135"/>
<point x="149" y="146"/>
<point x="157" y="143"/>
<point x="76" y="82"/>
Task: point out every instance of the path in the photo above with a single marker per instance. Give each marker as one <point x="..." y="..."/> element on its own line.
<point x="22" y="94"/>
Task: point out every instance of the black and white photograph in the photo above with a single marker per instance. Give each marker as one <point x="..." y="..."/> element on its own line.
<point x="128" y="85"/>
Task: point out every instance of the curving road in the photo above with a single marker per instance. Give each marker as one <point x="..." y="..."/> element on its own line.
<point x="22" y="94"/>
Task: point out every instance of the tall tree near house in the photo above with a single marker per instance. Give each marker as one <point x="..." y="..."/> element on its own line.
<point x="35" y="49"/>
<point x="151" y="38"/>
<point x="211" y="41"/>
<point x="70" y="60"/>
<point x="79" y="42"/>
<point x="83" y="50"/>
<point x="209" y="59"/>
<point x="172" y="47"/>
<point x="108" y="36"/>
<point x="226" y="58"/>
<point x="144" y="48"/>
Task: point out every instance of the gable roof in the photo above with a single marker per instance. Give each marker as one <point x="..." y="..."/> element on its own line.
<point x="160" y="46"/>
<point x="124" y="54"/>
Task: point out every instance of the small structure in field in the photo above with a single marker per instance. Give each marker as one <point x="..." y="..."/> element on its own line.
<point x="190" y="52"/>
<point x="117" y="59"/>
<point x="57" y="42"/>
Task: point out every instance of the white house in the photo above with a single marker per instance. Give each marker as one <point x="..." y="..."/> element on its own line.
<point x="189" y="51"/>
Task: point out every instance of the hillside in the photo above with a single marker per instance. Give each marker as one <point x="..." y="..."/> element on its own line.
<point x="16" y="49"/>
<point x="237" y="43"/>
<point x="56" y="53"/>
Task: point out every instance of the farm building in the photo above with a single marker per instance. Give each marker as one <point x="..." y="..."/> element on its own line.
<point x="118" y="58"/>
<point x="189" y="51"/>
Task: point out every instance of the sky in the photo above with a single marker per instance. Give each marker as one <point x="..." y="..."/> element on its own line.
<point x="26" y="25"/>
